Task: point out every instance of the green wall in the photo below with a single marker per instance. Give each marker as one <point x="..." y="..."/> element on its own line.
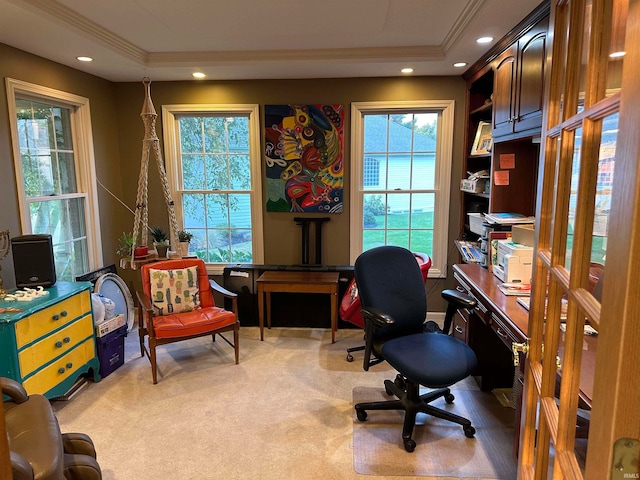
<point x="118" y="133"/>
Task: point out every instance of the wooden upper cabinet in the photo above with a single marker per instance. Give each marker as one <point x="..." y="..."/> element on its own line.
<point x="518" y="85"/>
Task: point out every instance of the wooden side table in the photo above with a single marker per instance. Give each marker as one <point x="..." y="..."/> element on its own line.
<point x="297" y="282"/>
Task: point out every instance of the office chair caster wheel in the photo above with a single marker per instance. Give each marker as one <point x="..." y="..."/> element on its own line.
<point x="361" y="414"/>
<point x="349" y="357"/>
<point x="469" y="431"/>
<point x="409" y="444"/>
<point x="449" y="398"/>
<point x="400" y="382"/>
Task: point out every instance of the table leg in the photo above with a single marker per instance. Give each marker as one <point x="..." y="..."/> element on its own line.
<point x="261" y="310"/>
<point x="334" y="316"/>
<point x="269" y="310"/>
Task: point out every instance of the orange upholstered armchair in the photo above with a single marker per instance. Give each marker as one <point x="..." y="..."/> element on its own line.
<point x="177" y="303"/>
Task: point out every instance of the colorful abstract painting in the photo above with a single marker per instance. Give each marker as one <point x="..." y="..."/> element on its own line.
<point x="304" y="158"/>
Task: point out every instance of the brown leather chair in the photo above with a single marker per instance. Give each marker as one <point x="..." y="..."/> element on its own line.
<point x="177" y="303"/>
<point x="37" y="448"/>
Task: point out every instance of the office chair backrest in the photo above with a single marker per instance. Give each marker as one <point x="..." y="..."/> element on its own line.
<point x="389" y="279"/>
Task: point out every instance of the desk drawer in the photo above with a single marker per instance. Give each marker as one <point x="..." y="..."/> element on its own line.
<point x="481" y="311"/>
<point x="54" y="345"/>
<point x="460" y="327"/>
<point x="503" y="333"/>
<point x="51" y="318"/>
<point x="61" y="369"/>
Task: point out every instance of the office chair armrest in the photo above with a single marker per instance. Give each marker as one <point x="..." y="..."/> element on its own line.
<point x="459" y="299"/>
<point x="221" y="290"/>
<point x="378" y="318"/>
<point x="14" y="390"/>
<point x="144" y="302"/>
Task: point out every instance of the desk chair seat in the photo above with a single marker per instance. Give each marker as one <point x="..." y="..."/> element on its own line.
<point x="394" y="308"/>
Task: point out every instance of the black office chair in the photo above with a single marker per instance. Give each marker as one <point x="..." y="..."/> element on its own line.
<point x="394" y="305"/>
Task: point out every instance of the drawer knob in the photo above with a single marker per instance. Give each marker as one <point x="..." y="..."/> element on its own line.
<point x="69" y="365"/>
<point x="58" y="344"/>
<point x="64" y="313"/>
<point x="56" y="317"/>
<point x="61" y="370"/>
<point x="66" y="339"/>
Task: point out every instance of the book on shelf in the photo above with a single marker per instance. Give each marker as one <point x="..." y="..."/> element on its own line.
<point x="517" y="289"/>
<point x="507" y="218"/>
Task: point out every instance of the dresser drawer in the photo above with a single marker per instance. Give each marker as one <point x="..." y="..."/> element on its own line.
<point x="61" y="369"/>
<point x="481" y="311"/>
<point x="54" y="345"/>
<point x="51" y="318"/>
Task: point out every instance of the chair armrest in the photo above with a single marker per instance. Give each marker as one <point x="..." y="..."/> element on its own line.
<point x="378" y="318"/>
<point x="459" y="299"/>
<point x="144" y="302"/>
<point x="221" y="290"/>
<point x="78" y="444"/>
<point x="13" y="389"/>
<point x="20" y="467"/>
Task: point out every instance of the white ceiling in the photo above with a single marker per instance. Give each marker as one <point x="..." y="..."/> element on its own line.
<point x="258" y="39"/>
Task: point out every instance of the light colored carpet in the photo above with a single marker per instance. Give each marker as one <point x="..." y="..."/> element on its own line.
<point x="285" y="412"/>
<point x="442" y="448"/>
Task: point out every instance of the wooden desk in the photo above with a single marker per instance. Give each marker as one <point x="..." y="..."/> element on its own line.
<point x="510" y="320"/>
<point x="297" y="282"/>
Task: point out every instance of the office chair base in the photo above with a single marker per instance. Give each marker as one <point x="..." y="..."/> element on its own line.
<point x="411" y="402"/>
<point x="351" y="350"/>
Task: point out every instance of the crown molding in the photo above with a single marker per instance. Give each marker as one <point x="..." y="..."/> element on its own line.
<point x="468" y="14"/>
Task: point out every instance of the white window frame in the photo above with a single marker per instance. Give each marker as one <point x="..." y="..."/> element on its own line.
<point x="442" y="187"/>
<point x="171" y="129"/>
<point x="82" y="136"/>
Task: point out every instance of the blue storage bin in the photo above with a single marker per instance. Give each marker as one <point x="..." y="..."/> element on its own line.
<point x="111" y="350"/>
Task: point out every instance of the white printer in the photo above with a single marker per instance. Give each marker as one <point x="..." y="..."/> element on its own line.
<point x="514" y="262"/>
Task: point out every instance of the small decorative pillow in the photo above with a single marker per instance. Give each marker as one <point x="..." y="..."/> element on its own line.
<point x="174" y="291"/>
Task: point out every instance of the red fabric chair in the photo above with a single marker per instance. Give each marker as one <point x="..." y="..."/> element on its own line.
<point x="350" y="304"/>
<point x="164" y="324"/>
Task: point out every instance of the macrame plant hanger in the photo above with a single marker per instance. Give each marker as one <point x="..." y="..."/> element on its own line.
<point x="150" y="142"/>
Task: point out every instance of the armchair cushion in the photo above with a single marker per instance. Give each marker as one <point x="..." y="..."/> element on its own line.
<point x="175" y="290"/>
<point x="192" y="323"/>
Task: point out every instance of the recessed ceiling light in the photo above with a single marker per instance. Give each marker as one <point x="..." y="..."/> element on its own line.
<point x="460" y="64"/>
<point x="617" y="54"/>
<point x="407" y="70"/>
<point x="485" y="40"/>
<point x="84" y="59"/>
<point x="198" y="75"/>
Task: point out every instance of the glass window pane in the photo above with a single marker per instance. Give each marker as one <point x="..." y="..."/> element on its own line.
<point x="399" y="172"/>
<point x="604" y="186"/>
<point x="217" y="173"/>
<point x="217" y="211"/>
<point x="400" y="133"/>
<point x="190" y="135"/>
<point x="240" y="211"/>
<point x="421" y="241"/>
<point x="573" y="198"/>
<point x="375" y="133"/>
<point x="193" y="177"/>
<point x="66" y="173"/>
<point x="238" y="134"/>
<point x="215" y="135"/>
<point x="422" y="208"/>
<point x="240" y="170"/>
<point x="374" y="210"/>
<point x="616" y="48"/>
<point x="193" y="208"/>
<point x="423" y="174"/>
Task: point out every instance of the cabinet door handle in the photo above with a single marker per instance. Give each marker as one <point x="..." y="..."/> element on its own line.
<point x="458" y="330"/>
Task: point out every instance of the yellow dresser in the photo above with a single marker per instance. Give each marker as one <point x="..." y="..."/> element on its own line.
<point x="51" y="342"/>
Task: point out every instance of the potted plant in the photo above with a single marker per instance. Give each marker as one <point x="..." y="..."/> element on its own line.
<point x="184" y="238"/>
<point x="160" y="241"/>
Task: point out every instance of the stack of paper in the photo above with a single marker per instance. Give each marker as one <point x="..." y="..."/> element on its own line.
<point x="508" y="218"/>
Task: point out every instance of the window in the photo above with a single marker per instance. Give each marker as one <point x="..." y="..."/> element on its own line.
<point x="55" y="173"/>
<point x="213" y="168"/>
<point x="401" y="170"/>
